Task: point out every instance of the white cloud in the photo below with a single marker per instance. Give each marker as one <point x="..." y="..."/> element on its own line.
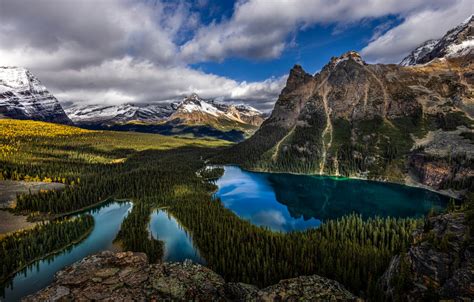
<point x="140" y="51"/>
<point x="262" y="29"/>
<point x="128" y="80"/>
<point x="417" y="28"/>
<point x="114" y="52"/>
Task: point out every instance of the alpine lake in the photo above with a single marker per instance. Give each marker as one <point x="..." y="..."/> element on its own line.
<point x="281" y="202"/>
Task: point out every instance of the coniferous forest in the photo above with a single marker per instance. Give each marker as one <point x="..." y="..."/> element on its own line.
<point x="21" y="248"/>
<point x="166" y="172"/>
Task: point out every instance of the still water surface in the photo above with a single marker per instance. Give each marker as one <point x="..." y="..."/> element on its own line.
<point x="107" y="221"/>
<point x="288" y="202"/>
<point x="178" y="242"/>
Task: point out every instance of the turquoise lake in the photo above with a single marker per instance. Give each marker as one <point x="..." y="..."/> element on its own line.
<point x="287" y="202"/>
<point x="107" y="221"/>
<point x="178" y="246"/>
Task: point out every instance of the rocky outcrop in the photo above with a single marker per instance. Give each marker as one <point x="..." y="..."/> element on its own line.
<point x="128" y="276"/>
<point x="438" y="265"/>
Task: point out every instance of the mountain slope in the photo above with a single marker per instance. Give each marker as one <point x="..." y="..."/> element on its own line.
<point x="371" y="121"/>
<point x="22" y="96"/>
<point x="457" y="42"/>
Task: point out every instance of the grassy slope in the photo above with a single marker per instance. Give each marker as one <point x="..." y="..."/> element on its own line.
<point x="34" y="141"/>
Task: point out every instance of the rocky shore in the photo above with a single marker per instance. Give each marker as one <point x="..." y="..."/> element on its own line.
<point x="128" y="276"/>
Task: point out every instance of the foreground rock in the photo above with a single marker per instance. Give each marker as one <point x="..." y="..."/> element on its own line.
<point x="438" y="265"/>
<point x="128" y="276"/>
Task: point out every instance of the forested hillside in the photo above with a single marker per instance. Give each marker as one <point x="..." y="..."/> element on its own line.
<point x="155" y="171"/>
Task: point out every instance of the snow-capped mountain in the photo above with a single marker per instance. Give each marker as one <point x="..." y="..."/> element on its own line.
<point x="419" y="52"/>
<point x="100" y="114"/>
<point x="195" y="110"/>
<point x="22" y="96"/>
<point x="193" y="116"/>
<point x="457" y="42"/>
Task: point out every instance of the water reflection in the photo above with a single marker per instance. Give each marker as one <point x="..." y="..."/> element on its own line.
<point x="287" y="202"/>
<point x="178" y="243"/>
<point x="107" y="221"/>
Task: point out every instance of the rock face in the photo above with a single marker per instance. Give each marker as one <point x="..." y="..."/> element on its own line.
<point x="438" y="265"/>
<point x="22" y="96"/>
<point x="457" y="42"/>
<point x="358" y="119"/>
<point x="128" y="276"/>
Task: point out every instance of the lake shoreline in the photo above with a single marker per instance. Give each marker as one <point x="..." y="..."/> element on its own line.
<point x="56" y="251"/>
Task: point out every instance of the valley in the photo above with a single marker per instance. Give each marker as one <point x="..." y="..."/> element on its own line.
<point x="358" y="185"/>
<point x="163" y="175"/>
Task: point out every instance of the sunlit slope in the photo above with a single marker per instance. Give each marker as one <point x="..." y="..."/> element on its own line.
<point x="33" y="141"/>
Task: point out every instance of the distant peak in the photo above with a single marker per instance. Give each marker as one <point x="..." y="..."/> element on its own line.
<point x="297" y="67"/>
<point x="350" y="55"/>
<point x="193" y="96"/>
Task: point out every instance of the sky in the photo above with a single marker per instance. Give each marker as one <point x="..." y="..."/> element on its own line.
<point x="156" y="51"/>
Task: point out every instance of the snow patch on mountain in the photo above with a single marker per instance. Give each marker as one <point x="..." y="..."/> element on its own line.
<point x="92" y="114"/>
<point x="460" y="49"/>
<point x="194" y="103"/>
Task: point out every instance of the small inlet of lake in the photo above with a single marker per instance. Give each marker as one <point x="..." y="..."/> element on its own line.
<point x="178" y="243"/>
<point x="287" y="202"/>
<point x="107" y="221"/>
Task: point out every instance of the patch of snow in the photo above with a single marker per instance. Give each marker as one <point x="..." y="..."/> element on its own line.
<point x="460" y="49"/>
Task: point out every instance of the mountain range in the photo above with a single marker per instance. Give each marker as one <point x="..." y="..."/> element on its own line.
<point x="22" y="96"/>
<point x="193" y="116"/>
<point x="411" y="122"/>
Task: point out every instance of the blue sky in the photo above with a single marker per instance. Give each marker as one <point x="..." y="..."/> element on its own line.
<point x="312" y="48"/>
<point x="156" y="51"/>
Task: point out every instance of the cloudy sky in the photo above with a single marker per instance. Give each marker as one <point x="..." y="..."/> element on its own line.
<point x="124" y="51"/>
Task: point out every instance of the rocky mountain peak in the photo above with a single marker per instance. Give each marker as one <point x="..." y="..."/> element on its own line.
<point x="350" y="55"/>
<point x="296" y="78"/>
<point x="193" y="97"/>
